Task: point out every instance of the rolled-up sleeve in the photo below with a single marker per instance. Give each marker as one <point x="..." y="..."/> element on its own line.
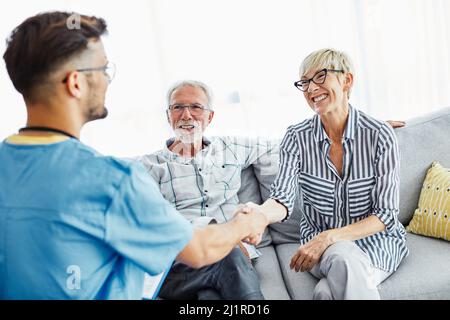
<point x="285" y="186"/>
<point x="385" y="195"/>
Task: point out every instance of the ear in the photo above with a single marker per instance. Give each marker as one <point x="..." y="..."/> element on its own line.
<point x="168" y="116"/>
<point x="210" y="116"/>
<point x="73" y="84"/>
<point x="348" y="81"/>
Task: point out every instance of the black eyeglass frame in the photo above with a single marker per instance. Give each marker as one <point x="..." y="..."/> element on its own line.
<point x="298" y="84"/>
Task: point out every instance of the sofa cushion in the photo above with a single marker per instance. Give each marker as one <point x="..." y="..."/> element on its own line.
<point x="432" y="216"/>
<point x="424" y="274"/>
<point x="422" y="141"/>
<point x="300" y="285"/>
<point x="250" y="191"/>
<point x="287" y="231"/>
<point x="269" y="272"/>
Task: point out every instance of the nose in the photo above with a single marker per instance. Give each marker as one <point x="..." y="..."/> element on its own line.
<point x="312" y="87"/>
<point x="186" y="114"/>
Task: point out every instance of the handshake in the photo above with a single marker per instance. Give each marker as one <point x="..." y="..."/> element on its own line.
<point x="253" y="221"/>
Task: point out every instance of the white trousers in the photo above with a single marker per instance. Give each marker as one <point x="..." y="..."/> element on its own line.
<point x="345" y="272"/>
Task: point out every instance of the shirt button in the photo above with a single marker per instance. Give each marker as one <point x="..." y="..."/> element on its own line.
<point x="207" y="206"/>
<point x="200" y="169"/>
<point x="206" y="191"/>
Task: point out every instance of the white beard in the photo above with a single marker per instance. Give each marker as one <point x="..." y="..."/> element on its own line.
<point x="189" y="138"/>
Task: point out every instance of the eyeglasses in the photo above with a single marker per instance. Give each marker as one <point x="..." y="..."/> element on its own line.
<point x="318" y="78"/>
<point x="196" y="109"/>
<point x="109" y="70"/>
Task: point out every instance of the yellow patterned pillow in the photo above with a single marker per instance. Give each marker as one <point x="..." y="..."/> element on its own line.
<point x="432" y="217"/>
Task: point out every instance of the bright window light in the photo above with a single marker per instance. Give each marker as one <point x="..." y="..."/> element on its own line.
<point x="249" y="52"/>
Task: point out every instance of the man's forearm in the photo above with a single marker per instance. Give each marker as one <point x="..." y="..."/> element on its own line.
<point x="213" y="242"/>
<point x="219" y="239"/>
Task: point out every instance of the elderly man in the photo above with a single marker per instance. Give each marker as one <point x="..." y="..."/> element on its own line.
<point x="201" y="178"/>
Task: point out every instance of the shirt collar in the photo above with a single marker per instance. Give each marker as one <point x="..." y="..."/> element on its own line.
<point x="350" y="129"/>
<point x="206" y="142"/>
<point x="352" y="123"/>
<point x="176" y="157"/>
<point x="30" y="140"/>
<point x="319" y="131"/>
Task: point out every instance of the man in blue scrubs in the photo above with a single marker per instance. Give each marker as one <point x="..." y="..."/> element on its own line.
<point x="75" y="224"/>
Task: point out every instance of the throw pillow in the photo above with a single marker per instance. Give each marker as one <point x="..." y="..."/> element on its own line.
<point x="432" y="217"/>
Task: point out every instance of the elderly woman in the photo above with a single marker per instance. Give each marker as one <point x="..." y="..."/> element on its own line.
<point x="344" y="165"/>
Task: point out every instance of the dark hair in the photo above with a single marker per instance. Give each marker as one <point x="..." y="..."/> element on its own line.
<point x="43" y="42"/>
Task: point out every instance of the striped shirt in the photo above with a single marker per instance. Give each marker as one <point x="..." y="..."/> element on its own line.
<point x="205" y="187"/>
<point x="369" y="184"/>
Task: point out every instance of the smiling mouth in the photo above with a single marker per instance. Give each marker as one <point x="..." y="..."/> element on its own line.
<point x="186" y="127"/>
<point x="319" y="98"/>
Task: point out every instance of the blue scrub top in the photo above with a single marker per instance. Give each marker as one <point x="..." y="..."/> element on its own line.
<point x="78" y="225"/>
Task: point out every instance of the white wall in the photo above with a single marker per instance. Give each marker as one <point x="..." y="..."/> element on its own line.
<point x="249" y="53"/>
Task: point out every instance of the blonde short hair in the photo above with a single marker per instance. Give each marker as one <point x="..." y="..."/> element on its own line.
<point x="327" y="58"/>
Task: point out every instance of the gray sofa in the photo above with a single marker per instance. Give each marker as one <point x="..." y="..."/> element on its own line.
<point x="424" y="274"/>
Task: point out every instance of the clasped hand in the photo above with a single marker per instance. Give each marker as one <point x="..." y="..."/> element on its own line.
<point x="256" y="221"/>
